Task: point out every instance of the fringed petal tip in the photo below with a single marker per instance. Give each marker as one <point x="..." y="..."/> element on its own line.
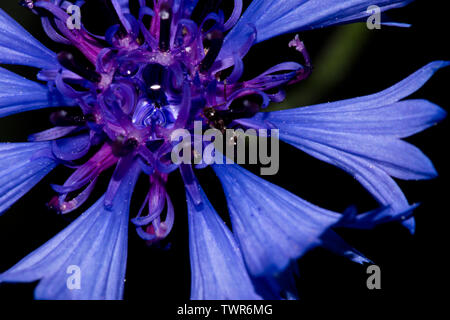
<point x="368" y="220"/>
<point x="331" y="241"/>
<point x="371" y="219"/>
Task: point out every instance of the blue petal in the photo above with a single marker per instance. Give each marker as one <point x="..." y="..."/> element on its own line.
<point x="17" y="46"/>
<point x="275" y="17"/>
<point x="96" y="242"/>
<point x="18" y="94"/>
<point x="22" y="166"/>
<point x="217" y="268"/>
<point x="396" y="157"/>
<point x="272" y="225"/>
<point x="369" y="148"/>
<point x="400" y="119"/>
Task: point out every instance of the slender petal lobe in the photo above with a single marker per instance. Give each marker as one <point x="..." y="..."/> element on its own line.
<point x="368" y="220"/>
<point x="217" y="268"/>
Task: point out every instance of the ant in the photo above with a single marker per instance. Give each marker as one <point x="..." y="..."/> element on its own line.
<point x="215" y="118"/>
<point x="240" y="108"/>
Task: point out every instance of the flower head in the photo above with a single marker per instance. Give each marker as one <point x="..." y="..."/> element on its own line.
<point x="172" y="64"/>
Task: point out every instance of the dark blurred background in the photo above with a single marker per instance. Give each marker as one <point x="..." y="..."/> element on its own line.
<point x="349" y="61"/>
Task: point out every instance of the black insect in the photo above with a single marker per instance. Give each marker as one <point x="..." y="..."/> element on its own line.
<point x="216" y="119"/>
<point x="245" y="107"/>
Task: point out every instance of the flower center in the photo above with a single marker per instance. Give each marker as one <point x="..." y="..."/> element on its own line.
<point x="149" y="74"/>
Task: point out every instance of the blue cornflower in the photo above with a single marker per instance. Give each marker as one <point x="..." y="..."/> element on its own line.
<point x="160" y="71"/>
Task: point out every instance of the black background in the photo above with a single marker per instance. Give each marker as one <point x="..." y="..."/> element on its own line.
<point x="413" y="267"/>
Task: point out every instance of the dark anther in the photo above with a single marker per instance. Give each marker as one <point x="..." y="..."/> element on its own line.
<point x="165" y="16"/>
<point x="122" y="147"/>
<point x="213" y="42"/>
<point x="67" y="60"/>
<point x="204" y="7"/>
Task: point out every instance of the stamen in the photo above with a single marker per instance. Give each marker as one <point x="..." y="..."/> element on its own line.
<point x="77" y="201"/>
<point x="300" y="47"/>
